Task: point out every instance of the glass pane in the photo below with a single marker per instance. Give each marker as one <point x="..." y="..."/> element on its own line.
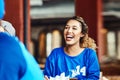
<point x="111" y="44"/>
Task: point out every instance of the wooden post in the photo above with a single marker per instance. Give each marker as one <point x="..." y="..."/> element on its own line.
<point x="91" y="11"/>
<point x="14" y="13"/>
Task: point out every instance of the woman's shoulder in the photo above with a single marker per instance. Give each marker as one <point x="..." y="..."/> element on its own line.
<point x="56" y="51"/>
<point x="89" y="51"/>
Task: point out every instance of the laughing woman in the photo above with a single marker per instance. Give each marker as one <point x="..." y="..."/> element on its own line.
<point x="78" y="59"/>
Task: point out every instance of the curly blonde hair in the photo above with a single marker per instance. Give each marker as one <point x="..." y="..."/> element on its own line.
<point x="85" y="41"/>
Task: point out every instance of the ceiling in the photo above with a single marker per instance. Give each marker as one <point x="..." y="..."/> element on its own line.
<point x="111" y="14"/>
<point x="43" y="9"/>
<point x="52" y="9"/>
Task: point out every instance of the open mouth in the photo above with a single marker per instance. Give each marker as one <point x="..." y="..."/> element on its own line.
<point x="69" y="37"/>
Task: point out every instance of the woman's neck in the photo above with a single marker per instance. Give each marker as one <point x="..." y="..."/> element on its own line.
<point x="73" y="50"/>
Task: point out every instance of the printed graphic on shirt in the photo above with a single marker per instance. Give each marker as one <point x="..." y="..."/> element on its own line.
<point x="78" y="71"/>
<point x="73" y="73"/>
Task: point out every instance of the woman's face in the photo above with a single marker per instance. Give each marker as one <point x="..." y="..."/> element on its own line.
<point x="72" y="32"/>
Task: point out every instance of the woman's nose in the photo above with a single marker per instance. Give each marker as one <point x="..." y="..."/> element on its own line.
<point x="70" y="30"/>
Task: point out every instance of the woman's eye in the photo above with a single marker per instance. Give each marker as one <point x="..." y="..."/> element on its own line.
<point x="75" y="28"/>
<point x="66" y="27"/>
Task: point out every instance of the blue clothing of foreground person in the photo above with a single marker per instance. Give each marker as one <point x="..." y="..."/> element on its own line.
<point x="2" y="9"/>
<point x="16" y="63"/>
<point x="78" y="58"/>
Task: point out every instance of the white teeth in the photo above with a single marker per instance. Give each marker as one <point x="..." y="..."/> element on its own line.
<point x="69" y="36"/>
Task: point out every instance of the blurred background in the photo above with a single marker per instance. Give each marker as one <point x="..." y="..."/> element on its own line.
<point x="39" y="25"/>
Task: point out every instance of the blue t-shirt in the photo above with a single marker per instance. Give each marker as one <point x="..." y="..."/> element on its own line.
<point x="16" y="63"/>
<point x="83" y="66"/>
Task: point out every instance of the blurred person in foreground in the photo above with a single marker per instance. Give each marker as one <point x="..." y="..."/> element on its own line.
<point x="2" y="9"/>
<point x="78" y="59"/>
<point x="16" y="63"/>
<point x="6" y="26"/>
